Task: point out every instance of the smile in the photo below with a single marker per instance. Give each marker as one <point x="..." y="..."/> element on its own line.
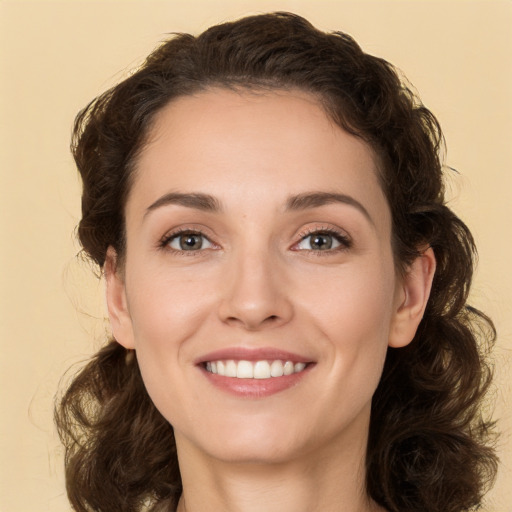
<point x="254" y="373"/>
<point x="254" y="369"/>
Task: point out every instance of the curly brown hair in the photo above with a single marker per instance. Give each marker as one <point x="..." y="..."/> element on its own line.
<point x="429" y="447"/>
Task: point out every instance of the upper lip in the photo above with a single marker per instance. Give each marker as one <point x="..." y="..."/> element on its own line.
<point x="252" y="354"/>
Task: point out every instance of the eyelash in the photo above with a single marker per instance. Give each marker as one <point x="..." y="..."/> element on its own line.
<point x="164" y="243"/>
<point x="344" y="241"/>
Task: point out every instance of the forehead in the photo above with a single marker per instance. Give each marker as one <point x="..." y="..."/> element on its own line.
<point x="238" y="145"/>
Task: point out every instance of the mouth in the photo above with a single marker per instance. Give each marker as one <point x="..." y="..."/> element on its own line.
<point x="254" y="373"/>
<point x="263" y="369"/>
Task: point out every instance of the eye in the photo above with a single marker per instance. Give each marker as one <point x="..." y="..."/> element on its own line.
<point x="322" y="241"/>
<point x="188" y="241"/>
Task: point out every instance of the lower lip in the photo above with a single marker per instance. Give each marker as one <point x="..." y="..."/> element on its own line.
<point x="255" y="388"/>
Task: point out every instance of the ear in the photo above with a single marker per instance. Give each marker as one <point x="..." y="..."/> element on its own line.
<point x="412" y="297"/>
<point x="117" y="303"/>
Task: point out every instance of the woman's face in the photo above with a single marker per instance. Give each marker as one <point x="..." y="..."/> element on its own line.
<point x="257" y="232"/>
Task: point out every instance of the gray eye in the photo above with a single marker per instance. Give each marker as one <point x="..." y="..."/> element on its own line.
<point x="318" y="242"/>
<point x="189" y="242"/>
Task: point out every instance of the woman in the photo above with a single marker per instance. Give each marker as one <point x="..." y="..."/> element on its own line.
<point x="286" y="287"/>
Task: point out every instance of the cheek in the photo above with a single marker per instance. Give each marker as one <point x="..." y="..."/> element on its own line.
<point x="354" y="312"/>
<point x="353" y="300"/>
<point x="167" y="306"/>
<point x="166" y="315"/>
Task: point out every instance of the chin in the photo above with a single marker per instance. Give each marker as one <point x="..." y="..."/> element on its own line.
<point x="258" y="452"/>
<point x="250" y="442"/>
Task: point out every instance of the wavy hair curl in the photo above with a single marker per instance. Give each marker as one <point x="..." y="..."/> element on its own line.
<point x="429" y="446"/>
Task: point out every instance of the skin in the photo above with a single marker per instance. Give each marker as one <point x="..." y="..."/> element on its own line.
<point x="256" y="282"/>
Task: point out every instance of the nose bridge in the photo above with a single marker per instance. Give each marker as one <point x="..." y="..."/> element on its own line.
<point x="255" y="295"/>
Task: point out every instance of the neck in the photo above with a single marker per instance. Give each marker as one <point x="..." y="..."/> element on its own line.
<point x="313" y="483"/>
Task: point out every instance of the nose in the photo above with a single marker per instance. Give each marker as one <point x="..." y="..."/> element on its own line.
<point x="255" y="293"/>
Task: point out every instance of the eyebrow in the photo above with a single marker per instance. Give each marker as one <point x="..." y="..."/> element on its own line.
<point x="317" y="199"/>
<point x="305" y="201"/>
<point x="198" y="201"/>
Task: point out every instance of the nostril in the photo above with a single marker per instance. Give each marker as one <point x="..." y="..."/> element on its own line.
<point x="271" y="319"/>
<point x="254" y="323"/>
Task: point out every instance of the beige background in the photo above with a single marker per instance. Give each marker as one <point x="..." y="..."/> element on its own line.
<point x="56" y="56"/>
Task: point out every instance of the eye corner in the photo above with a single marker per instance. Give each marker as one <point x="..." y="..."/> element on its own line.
<point x="187" y="241"/>
<point x="334" y="240"/>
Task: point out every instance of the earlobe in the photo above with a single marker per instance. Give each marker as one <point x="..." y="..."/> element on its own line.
<point x="415" y="291"/>
<point x="117" y="304"/>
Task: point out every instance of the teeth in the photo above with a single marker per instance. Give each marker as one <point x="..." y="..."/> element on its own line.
<point x="231" y="368"/>
<point x="254" y="370"/>
<point x="298" y="367"/>
<point x="276" y="369"/>
<point x="288" y="368"/>
<point x="244" y="370"/>
<point x="262" y="370"/>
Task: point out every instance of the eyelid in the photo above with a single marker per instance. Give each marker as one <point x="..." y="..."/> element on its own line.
<point x="163" y="243"/>
<point x="205" y="242"/>
<point x="340" y="235"/>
